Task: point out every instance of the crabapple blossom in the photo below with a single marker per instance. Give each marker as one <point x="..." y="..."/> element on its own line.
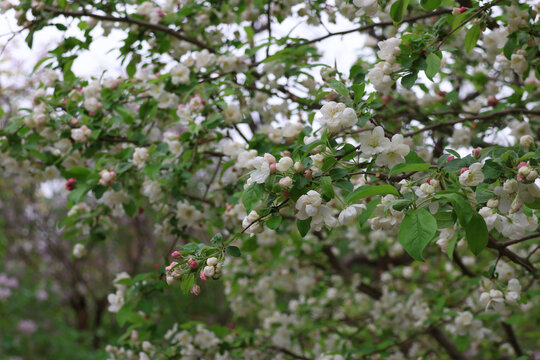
<point x="81" y="134"/>
<point x="472" y="176"/>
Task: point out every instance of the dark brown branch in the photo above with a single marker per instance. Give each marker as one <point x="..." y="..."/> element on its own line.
<point x="525" y="238"/>
<point x="512" y="338"/>
<point x="446" y="343"/>
<point x="461" y="265"/>
<point x="130" y="20"/>
<point x="288" y="352"/>
<point x="482" y="9"/>
<point x="371" y="26"/>
<point x="503" y="250"/>
<point x="482" y="117"/>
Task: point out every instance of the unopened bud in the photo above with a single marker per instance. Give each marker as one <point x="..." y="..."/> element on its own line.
<point x="270" y="158"/>
<point x="175" y="254"/>
<point x="533" y="175"/>
<point x="195" y="290"/>
<point x="526" y="141"/>
<point x="286" y="182"/>
<point x="476" y="153"/>
<point x="309" y="174"/>
<point x="298" y="167"/>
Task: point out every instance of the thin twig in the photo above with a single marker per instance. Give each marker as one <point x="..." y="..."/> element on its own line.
<point x="512" y="338"/>
<point x="370" y="26"/>
<point x="130" y="20"/>
<point x="483" y="8"/>
<point x="481" y="117"/>
<point x="525" y="238"/>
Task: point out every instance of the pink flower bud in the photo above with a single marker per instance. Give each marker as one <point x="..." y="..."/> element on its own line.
<point x="308" y="173"/>
<point x="523" y="163"/>
<point x="286" y="182"/>
<point x="195" y="290"/>
<point x="70" y="184"/>
<point x="270" y="158"/>
<point x="450" y="158"/>
<point x="476" y="153"/>
<point x="176" y="254"/>
<point x="464" y="169"/>
<point x="492" y="101"/>
<point x="273" y="168"/>
<point x="203" y="276"/>
<point x="192" y="263"/>
<point x="462" y="9"/>
<point x="171" y="265"/>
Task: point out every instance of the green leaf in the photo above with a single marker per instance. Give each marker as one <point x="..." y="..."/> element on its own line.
<point x="359" y="91"/>
<point x="339" y="87"/>
<point x="217" y="239"/>
<point x="433" y="65"/>
<point x="250" y="244"/>
<point x="131" y="68"/>
<point x="328" y="163"/>
<point x="398" y="205"/>
<point x="130" y="208"/>
<point x="461" y="206"/>
<point x="510" y="46"/>
<point x="409" y="167"/>
<point x="471" y="38"/>
<point x="397" y="11"/>
<point x="233" y="251"/>
<point x="416" y="231"/>
<point x="445" y="219"/>
<point x="476" y="233"/>
<point x="366" y="214"/>
<point x="274" y="222"/>
<point x="249" y="32"/>
<point x="408" y="80"/>
<point x="303" y="226"/>
<point x="79" y="173"/>
<point x="187" y="283"/>
<point x="152" y="171"/>
<point x="369" y="190"/>
<point x="78" y="193"/>
<point x="327" y="187"/>
<point x="252" y="195"/>
<point x="430" y="4"/>
<point x="338" y="173"/>
<point x="126" y="314"/>
<point x="533" y="204"/>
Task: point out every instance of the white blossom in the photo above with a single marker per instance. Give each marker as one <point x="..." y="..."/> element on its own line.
<point x="473" y="176"/>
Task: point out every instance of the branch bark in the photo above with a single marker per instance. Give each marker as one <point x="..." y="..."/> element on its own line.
<point x="481" y="117"/>
<point x="130" y="20"/>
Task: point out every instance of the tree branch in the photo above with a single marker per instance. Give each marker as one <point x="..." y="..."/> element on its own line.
<point x="130" y="20"/>
<point x="525" y="238"/>
<point x="370" y="26"/>
<point x="481" y="117"/>
<point x="446" y="343"/>
<point x="512" y="338"/>
<point x="503" y="250"/>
